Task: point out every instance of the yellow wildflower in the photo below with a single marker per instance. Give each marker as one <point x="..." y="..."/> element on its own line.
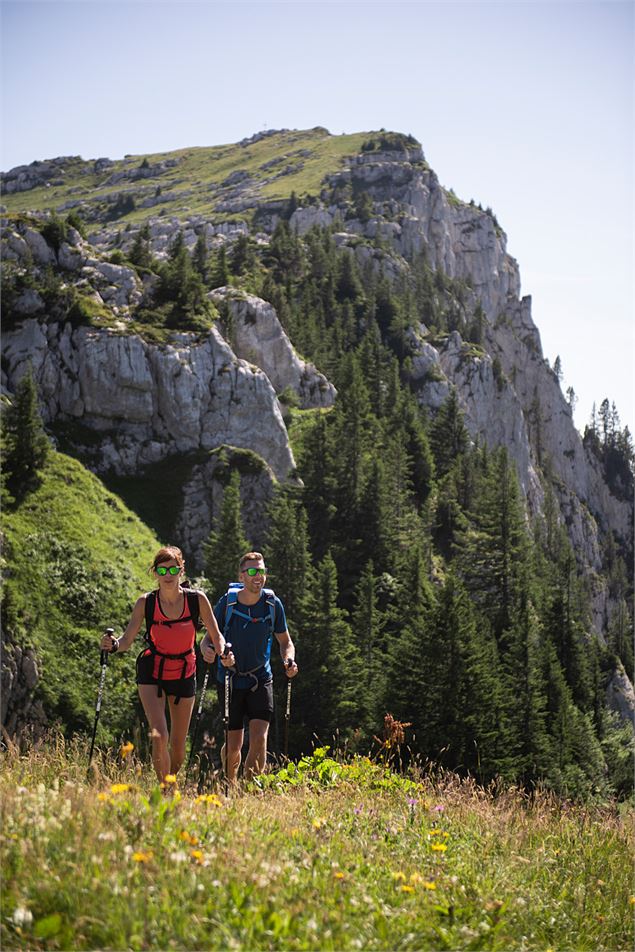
<point x="439" y="847"/>
<point x="188" y="837"/>
<point x="318" y="823"/>
<point x="197" y="855"/>
<point x="170" y="778"/>
<point x="103" y="797"/>
<point x="415" y="878"/>
<point x="429" y="885"/>
<point x="120" y="787"/>
<point x="406" y="887"/>
<point x="126" y="749"/>
<point x="399" y="875"/>
<point x="338" y="875"/>
<point x="209" y="798"/>
<point x="141" y="857"/>
<point x="631" y="900"/>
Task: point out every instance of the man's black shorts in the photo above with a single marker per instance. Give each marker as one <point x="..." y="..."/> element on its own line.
<point x="245" y="703"/>
<point x="177" y="687"/>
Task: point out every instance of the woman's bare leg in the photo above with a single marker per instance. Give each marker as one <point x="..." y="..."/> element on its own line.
<point x="154" y="707"/>
<point x="180" y="717"/>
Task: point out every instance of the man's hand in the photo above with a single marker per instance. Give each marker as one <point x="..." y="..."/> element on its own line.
<point x="291" y="668"/>
<point x="227" y="658"/>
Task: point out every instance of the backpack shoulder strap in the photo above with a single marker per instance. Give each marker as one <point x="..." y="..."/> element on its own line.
<point x="151" y="598"/>
<point x="271" y="605"/>
<point x="193" y="606"/>
<point x="232" y="598"/>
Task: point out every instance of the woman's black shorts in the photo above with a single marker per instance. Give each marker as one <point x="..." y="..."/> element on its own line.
<point x="177" y="687"/>
<point x="245" y="703"/>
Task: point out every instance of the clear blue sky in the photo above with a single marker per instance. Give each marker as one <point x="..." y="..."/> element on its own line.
<point x="523" y="106"/>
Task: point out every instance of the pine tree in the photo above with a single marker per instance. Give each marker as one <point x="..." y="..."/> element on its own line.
<point x="492" y="550"/>
<point x="317" y="468"/>
<point x="219" y="277"/>
<point x="288" y="550"/>
<point x="368" y="632"/>
<point x="448" y="437"/>
<point x="227" y="542"/>
<point x="578" y="765"/>
<point x="26" y="444"/>
<point x="409" y="658"/>
<point x="328" y="702"/>
<point x="140" y="253"/>
<point x="200" y="257"/>
<point x="181" y="287"/>
<point x="563" y="625"/>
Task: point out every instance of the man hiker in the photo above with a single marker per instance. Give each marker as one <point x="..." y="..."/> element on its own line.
<point x="249" y="615"/>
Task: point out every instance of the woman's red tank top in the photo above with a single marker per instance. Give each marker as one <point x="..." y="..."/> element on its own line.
<point x="175" y="638"/>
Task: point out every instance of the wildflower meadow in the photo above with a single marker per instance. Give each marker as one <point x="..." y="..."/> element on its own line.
<point x="322" y="854"/>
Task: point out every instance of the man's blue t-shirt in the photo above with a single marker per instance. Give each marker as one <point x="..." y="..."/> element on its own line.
<point x="250" y="640"/>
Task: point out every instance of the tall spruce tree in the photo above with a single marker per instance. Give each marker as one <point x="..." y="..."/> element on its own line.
<point x="327" y="694"/>
<point x="448" y="436"/>
<point x="227" y="542"/>
<point x="26" y="444"/>
<point x="409" y="653"/>
<point x="317" y="468"/>
<point x="368" y="624"/>
<point x="492" y="550"/>
<point x="287" y="552"/>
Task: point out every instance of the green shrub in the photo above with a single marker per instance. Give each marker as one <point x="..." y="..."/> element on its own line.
<point x="54" y="231"/>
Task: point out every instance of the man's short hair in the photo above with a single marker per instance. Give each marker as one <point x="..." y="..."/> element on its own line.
<point x="249" y="557"/>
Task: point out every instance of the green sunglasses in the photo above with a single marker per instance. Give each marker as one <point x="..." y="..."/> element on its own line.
<point x="163" y="570"/>
<point x="253" y="572"/>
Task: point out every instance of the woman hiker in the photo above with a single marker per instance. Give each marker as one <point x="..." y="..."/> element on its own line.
<point x="166" y="667"/>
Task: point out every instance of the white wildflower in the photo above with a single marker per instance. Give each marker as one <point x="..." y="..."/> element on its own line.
<point x="22" y="916"/>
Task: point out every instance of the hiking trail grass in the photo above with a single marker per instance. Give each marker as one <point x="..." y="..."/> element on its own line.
<point x="326" y="855"/>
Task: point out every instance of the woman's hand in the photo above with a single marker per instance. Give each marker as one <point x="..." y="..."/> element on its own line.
<point x="207" y="650"/>
<point x="109" y="643"/>
<point x="227" y="658"/>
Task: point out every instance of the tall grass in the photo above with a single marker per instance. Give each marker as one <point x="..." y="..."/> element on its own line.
<point x="328" y="856"/>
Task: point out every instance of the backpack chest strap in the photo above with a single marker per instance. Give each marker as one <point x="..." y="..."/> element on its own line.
<point x="167" y="622"/>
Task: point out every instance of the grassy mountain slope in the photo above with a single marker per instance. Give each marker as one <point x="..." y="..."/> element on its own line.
<point x="334" y="856"/>
<point x="277" y="165"/>
<point x="75" y="560"/>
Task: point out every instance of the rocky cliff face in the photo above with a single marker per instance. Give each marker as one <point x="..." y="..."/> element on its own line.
<point x="144" y="402"/>
<point x="257" y="336"/>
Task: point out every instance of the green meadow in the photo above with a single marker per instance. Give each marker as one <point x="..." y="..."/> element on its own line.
<point x="320" y="855"/>
<point x="195" y="184"/>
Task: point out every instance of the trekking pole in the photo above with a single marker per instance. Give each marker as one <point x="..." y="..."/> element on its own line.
<point x="287" y="714"/>
<point x="198" y="715"/>
<point x="103" y="660"/>
<point x="226" y="715"/>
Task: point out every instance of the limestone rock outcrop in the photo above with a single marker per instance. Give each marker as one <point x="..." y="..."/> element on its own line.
<point x="257" y="336"/>
<point x="146" y="402"/>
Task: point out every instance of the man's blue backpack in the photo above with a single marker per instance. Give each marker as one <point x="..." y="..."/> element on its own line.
<point x="233" y="607"/>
